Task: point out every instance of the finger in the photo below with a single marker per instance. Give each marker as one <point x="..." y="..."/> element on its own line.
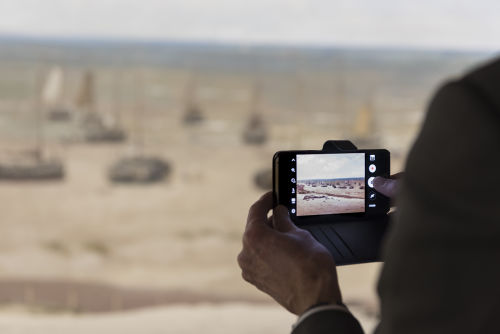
<point x="244" y="260"/>
<point x="257" y="228"/>
<point x="257" y="215"/>
<point x="281" y="219"/>
<point x="387" y="187"/>
<point x="261" y="207"/>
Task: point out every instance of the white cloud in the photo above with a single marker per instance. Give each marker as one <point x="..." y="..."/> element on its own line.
<point x="438" y="23"/>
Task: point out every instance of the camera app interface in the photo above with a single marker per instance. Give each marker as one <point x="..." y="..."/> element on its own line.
<point x="330" y="183"/>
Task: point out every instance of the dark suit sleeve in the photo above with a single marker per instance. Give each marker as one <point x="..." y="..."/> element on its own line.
<point x="442" y="255"/>
<point x="329" y="322"/>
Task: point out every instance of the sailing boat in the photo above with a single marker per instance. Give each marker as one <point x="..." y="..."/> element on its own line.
<point x="255" y="132"/>
<point x="53" y="96"/>
<point x="97" y="127"/>
<point x="139" y="168"/>
<point x="33" y="165"/>
<point x="192" y="112"/>
<point x="364" y="129"/>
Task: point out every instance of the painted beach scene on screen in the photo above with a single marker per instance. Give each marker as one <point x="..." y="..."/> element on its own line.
<point x="330" y="183"/>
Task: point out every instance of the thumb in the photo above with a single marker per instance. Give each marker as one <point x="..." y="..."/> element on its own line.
<point x="281" y="219"/>
<point x="387" y="187"/>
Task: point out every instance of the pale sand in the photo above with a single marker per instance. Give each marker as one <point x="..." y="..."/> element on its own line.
<point x="232" y="318"/>
<point x="183" y="233"/>
<point x="204" y="318"/>
<point x="328" y="205"/>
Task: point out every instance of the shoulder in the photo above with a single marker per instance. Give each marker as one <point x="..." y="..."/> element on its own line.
<point x="463" y="115"/>
<point x="475" y="93"/>
<point x="486" y="79"/>
<point x="478" y="88"/>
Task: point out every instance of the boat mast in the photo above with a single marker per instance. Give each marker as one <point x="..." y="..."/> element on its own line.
<point x="85" y="98"/>
<point x="138" y="113"/>
<point x="37" y="105"/>
<point x="189" y="97"/>
<point x="117" y="96"/>
<point x="255" y="99"/>
<point x="364" y="123"/>
<point x="301" y="107"/>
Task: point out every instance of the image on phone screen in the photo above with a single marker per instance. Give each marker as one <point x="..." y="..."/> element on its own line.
<point x="330" y="184"/>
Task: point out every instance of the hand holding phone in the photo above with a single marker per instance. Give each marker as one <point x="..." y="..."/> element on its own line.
<point x="285" y="261"/>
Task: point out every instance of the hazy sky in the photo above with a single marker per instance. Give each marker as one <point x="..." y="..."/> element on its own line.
<point x="330" y="166"/>
<point x="424" y="23"/>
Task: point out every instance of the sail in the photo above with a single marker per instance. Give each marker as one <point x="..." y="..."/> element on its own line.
<point x="255" y="98"/>
<point x="33" y="164"/>
<point x="256" y="130"/>
<point x="364" y="124"/>
<point x="52" y="92"/>
<point x="85" y="97"/>
<point x="192" y="112"/>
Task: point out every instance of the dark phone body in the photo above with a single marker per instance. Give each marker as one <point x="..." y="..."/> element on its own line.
<point x="351" y="237"/>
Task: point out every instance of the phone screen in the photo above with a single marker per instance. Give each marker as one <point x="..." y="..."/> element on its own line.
<point x="314" y="184"/>
<point x="330" y="183"/>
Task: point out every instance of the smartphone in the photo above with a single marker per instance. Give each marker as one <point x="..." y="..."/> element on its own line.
<point x="332" y="195"/>
<point x="330" y="186"/>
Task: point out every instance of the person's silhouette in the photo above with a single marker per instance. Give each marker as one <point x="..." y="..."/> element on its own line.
<point x="441" y="256"/>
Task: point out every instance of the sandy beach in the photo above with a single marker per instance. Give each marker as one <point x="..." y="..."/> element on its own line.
<point x="84" y="254"/>
<point x="320" y="200"/>
<point x="206" y="318"/>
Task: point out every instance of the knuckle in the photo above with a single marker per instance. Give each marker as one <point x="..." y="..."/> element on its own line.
<point x="246" y="276"/>
<point x="242" y="259"/>
<point x="254" y="208"/>
<point x="303" y="233"/>
<point x="247" y="240"/>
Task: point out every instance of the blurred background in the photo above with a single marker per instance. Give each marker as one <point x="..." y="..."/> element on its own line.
<point x="134" y="135"/>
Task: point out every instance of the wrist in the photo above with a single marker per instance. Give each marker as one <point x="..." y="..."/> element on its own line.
<point x="331" y="298"/>
<point x="323" y="290"/>
<point x="337" y="303"/>
<point x="320" y="308"/>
